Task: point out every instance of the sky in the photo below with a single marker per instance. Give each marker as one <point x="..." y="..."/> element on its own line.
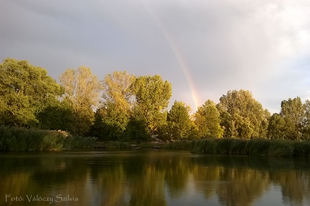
<point x="204" y="48"/>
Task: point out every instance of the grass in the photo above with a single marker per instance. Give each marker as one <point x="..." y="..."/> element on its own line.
<point x="22" y="139"/>
<point x="256" y="147"/>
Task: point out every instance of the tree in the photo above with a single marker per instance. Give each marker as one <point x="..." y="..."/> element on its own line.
<point x="118" y="97"/>
<point x="292" y="110"/>
<point x="306" y="120"/>
<point x="207" y="120"/>
<point x="276" y="127"/>
<point x="118" y="89"/>
<point x="82" y="94"/>
<point x="56" y="116"/>
<point x="137" y="128"/>
<point x="242" y="116"/>
<point x="152" y="98"/>
<point x="25" y="91"/>
<point x="179" y="123"/>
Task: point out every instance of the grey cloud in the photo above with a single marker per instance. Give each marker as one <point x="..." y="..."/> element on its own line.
<point x="226" y="44"/>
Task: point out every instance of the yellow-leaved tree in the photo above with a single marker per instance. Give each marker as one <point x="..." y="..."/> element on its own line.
<point x="82" y="95"/>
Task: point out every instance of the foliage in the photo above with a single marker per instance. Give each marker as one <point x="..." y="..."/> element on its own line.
<point x="104" y="127"/>
<point x="306" y="121"/>
<point x="152" y="98"/>
<point x="292" y="110"/>
<point x="82" y="94"/>
<point x="25" y="90"/>
<point x="242" y="116"/>
<point x="292" y="122"/>
<point x="117" y="88"/>
<point x="135" y="108"/>
<point x="118" y="97"/>
<point x="178" y="121"/>
<point x="207" y="121"/>
<point x="58" y="116"/>
<point x="137" y="128"/>
<point x="276" y="127"/>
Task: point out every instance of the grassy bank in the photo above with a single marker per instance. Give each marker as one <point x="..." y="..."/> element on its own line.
<point x="261" y="147"/>
<point x="179" y="145"/>
<point x="22" y="139"/>
<point x="119" y="145"/>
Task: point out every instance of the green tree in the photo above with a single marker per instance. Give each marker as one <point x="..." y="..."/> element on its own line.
<point x="292" y="110"/>
<point x="207" y="120"/>
<point x="56" y="116"/>
<point x="242" y="115"/>
<point x="179" y="123"/>
<point x="25" y="91"/>
<point x="276" y="127"/>
<point x="152" y="98"/>
<point x="106" y="124"/>
<point x="306" y="120"/>
<point x="263" y="128"/>
<point x="82" y="94"/>
<point x="137" y="128"/>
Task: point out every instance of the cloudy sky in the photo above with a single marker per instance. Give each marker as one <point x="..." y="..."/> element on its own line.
<point x="204" y="48"/>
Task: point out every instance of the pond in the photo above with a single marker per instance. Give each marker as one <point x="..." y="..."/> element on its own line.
<point x="154" y="177"/>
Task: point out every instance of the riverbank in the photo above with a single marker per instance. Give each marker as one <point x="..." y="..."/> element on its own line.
<point x="128" y="145"/>
<point x="13" y="139"/>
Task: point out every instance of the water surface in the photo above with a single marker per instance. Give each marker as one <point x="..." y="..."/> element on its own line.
<point x="151" y="178"/>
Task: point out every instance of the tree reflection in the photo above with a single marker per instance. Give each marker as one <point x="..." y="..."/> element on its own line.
<point x="149" y="178"/>
<point x="241" y="186"/>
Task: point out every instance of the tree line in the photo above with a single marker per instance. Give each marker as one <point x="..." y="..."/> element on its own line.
<point x="125" y="107"/>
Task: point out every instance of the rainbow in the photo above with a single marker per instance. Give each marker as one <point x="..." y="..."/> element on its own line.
<point x="177" y="53"/>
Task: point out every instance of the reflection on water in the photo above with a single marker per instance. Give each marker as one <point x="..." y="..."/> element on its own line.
<point x="151" y="178"/>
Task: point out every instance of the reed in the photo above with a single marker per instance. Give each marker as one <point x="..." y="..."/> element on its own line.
<point x="79" y="142"/>
<point x="281" y="148"/>
<point x="199" y="146"/>
<point x="256" y="147"/>
<point x="223" y="145"/>
<point x="237" y="146"/>
<point x="301" y="148"/>
<point x="22" y="139"/>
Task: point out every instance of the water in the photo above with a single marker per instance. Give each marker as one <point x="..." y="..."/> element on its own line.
<point x="151" y="178"/>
